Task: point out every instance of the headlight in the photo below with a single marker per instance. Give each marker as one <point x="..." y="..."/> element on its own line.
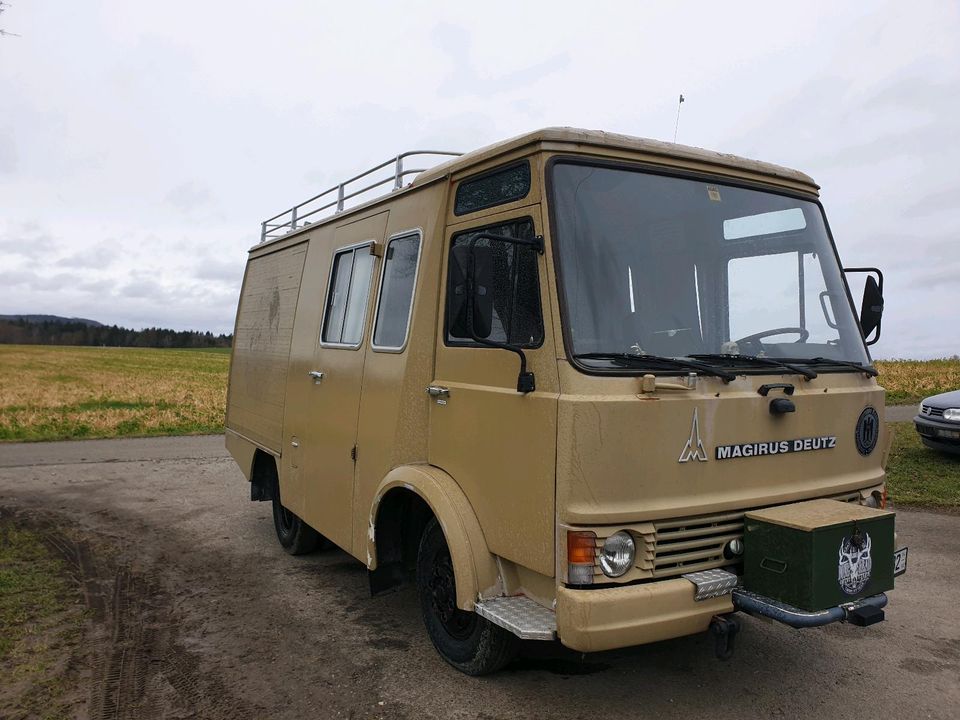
<point x="951" y="414"/>
<point x="617" y="554"/>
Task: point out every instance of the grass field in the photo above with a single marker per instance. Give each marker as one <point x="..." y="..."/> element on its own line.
<point x="917" y="475"/>
<point x="909" y="381"/>
<point x="56" y="393"/>
<point x="40" y="620"/>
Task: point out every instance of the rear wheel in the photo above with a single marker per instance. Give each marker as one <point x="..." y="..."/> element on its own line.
<point x="467" y="641"/>
<point x="295" y="536"/>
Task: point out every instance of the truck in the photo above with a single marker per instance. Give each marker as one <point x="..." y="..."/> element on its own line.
<point x="574" y="386"/>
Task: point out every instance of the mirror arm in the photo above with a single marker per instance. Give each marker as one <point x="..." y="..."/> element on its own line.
<point x="536" y="243"/>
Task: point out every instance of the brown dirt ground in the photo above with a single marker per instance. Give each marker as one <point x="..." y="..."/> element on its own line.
<point x="193" y="611"/>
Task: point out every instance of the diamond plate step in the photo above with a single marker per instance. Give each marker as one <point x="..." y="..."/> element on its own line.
<point x="521" y="616"/>
<point x="712" y="583"/>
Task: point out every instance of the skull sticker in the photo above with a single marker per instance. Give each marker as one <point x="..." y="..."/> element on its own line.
<point x="855" y="563"/>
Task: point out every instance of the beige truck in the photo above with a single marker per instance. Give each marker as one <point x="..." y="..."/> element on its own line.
<point x="559" y="383"/>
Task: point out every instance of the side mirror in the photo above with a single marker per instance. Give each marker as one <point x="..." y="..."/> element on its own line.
<point x="471" y="291"/>
<point x="471" y="298"/>
<point x="871" y="307"/>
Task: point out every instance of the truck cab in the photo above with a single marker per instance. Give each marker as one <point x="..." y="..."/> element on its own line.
<point x="549" y="381"/>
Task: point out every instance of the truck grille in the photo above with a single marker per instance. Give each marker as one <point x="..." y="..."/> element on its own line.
<point x="931" y="411"/>
<point x="672" y="547"/>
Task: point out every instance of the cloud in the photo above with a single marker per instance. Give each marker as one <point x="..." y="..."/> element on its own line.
<point x="139" y="153"/>
<point x="8" y="151"/>
<point x="463" y="76"/>
<point x="100" y="256"/>
<point x="189" y="196"/>
<point x="27" y="239"/>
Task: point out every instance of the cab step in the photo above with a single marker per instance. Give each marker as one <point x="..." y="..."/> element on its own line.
<point x="520" y="615"/>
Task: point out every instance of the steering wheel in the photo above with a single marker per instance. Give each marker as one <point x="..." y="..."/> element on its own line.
<point x="756" y="337"/>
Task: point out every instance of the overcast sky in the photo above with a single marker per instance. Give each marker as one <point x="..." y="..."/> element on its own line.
<point x="141" y="143"/>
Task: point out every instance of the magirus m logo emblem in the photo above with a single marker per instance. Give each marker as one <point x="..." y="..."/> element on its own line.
<point x="853" y="570"/>
<point x="694" y="449"/>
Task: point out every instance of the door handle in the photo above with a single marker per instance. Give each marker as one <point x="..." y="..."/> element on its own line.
<point x="316" y="375"/>
<point x="437" y="391"/>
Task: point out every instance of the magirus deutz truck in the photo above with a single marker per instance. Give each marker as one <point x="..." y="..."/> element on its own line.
<point x="574" y="386"/>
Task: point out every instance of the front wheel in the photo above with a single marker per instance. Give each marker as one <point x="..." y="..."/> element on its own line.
<point x="295" y="536"/>
<point x="468" y="642"/>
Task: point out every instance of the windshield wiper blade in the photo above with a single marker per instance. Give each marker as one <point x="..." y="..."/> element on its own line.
<point x="865" y="369"/>
<point x="641" y="360"/>
<point x="769" y="362"/>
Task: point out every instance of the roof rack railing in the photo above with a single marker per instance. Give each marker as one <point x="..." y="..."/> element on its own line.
<point x="296" y="217"/>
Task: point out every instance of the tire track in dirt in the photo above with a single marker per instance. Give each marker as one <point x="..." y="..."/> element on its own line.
<point x="135" y="665"/>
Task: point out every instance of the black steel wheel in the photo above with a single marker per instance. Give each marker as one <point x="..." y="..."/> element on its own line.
<point x="467" y="641"/>
<point x="295" y="536"/>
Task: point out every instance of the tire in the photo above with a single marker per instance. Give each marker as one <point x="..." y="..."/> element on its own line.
<point x="295" y="536"/>
<point x="470" y="643"/>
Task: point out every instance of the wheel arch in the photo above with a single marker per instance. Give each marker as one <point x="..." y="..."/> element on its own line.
<point x="474" y="567"/>
<point x="264" y="476"/>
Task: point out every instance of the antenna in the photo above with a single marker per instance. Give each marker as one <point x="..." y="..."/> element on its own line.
<point x="677" y="125"/>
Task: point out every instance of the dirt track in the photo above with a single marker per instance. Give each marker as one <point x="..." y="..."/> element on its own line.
<point x="196" y="612"/>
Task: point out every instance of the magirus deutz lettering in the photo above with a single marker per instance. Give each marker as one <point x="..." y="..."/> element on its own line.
<point x="776" y="447"/>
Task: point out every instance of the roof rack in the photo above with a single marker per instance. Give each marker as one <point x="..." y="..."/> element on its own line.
<point x="289" y="220"/>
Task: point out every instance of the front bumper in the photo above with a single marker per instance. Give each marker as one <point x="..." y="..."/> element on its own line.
<point x="937" y="434"/>
<point x="754" y="604"/>
<point x="603" y="619"/>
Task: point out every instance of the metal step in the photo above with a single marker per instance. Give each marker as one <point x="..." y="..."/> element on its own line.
<point x="712" y="583"/>
<point x="520" y="615"/>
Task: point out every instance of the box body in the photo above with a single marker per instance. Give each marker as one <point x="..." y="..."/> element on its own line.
<point x="818" y="554"/>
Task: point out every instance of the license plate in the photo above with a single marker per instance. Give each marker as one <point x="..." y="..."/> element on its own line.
<point x="900" y="562"/>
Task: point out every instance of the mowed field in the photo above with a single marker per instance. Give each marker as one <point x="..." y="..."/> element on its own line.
<point x="62" y="393"/>
<point x="58" y="393"/>
<point x="909" y="381"/>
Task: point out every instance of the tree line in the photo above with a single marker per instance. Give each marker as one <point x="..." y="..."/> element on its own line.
<point x="24" y="332"/>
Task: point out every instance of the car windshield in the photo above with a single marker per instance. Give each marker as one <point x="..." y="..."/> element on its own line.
<point x="675" y="267"/>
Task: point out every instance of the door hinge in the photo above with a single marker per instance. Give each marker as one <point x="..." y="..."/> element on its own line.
<point x="353" y="453"/>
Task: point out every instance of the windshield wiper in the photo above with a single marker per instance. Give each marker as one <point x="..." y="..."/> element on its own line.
<point x="865" y="369"/>
<point x="746" y="359"/>
<point x="630" y="359"/>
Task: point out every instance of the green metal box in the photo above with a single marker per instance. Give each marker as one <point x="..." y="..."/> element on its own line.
<point x="819" y="553"/>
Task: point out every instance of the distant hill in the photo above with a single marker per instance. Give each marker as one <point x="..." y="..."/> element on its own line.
<point x="52" y="319"/>
<point x="56" y="330"/>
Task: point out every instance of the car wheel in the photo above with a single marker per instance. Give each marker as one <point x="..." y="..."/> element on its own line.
<point x="467" y="641"/>
<point x="295" y="536"/>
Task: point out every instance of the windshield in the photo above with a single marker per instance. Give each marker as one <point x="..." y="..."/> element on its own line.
<point x="675" y="267"/>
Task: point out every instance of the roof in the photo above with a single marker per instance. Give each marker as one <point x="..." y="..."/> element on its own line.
<point x="560" y="139"/>
<point x="597" y="138"/>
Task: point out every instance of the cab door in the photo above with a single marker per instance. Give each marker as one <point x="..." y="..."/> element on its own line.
<point x="499" y="444"/>
<point x="329" y="390"/>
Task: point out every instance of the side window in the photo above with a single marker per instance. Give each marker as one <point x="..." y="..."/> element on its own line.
<point x="396" y="293"/>
<point x="349" y="288"/>
<point x="512" y="286"/>
<point x="492" y="188"/>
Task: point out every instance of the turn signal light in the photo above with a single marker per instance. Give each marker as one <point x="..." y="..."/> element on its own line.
<point x="581" y="556"/>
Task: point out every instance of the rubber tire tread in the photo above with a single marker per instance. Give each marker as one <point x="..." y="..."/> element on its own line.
<point x="488" y="648"/>
<point x="301" y="538"/>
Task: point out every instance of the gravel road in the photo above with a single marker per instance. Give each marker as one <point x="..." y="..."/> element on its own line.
<point x="194" y="611"/>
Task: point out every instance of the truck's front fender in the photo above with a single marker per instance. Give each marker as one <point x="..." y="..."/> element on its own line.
<point x="474" y="567"/>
